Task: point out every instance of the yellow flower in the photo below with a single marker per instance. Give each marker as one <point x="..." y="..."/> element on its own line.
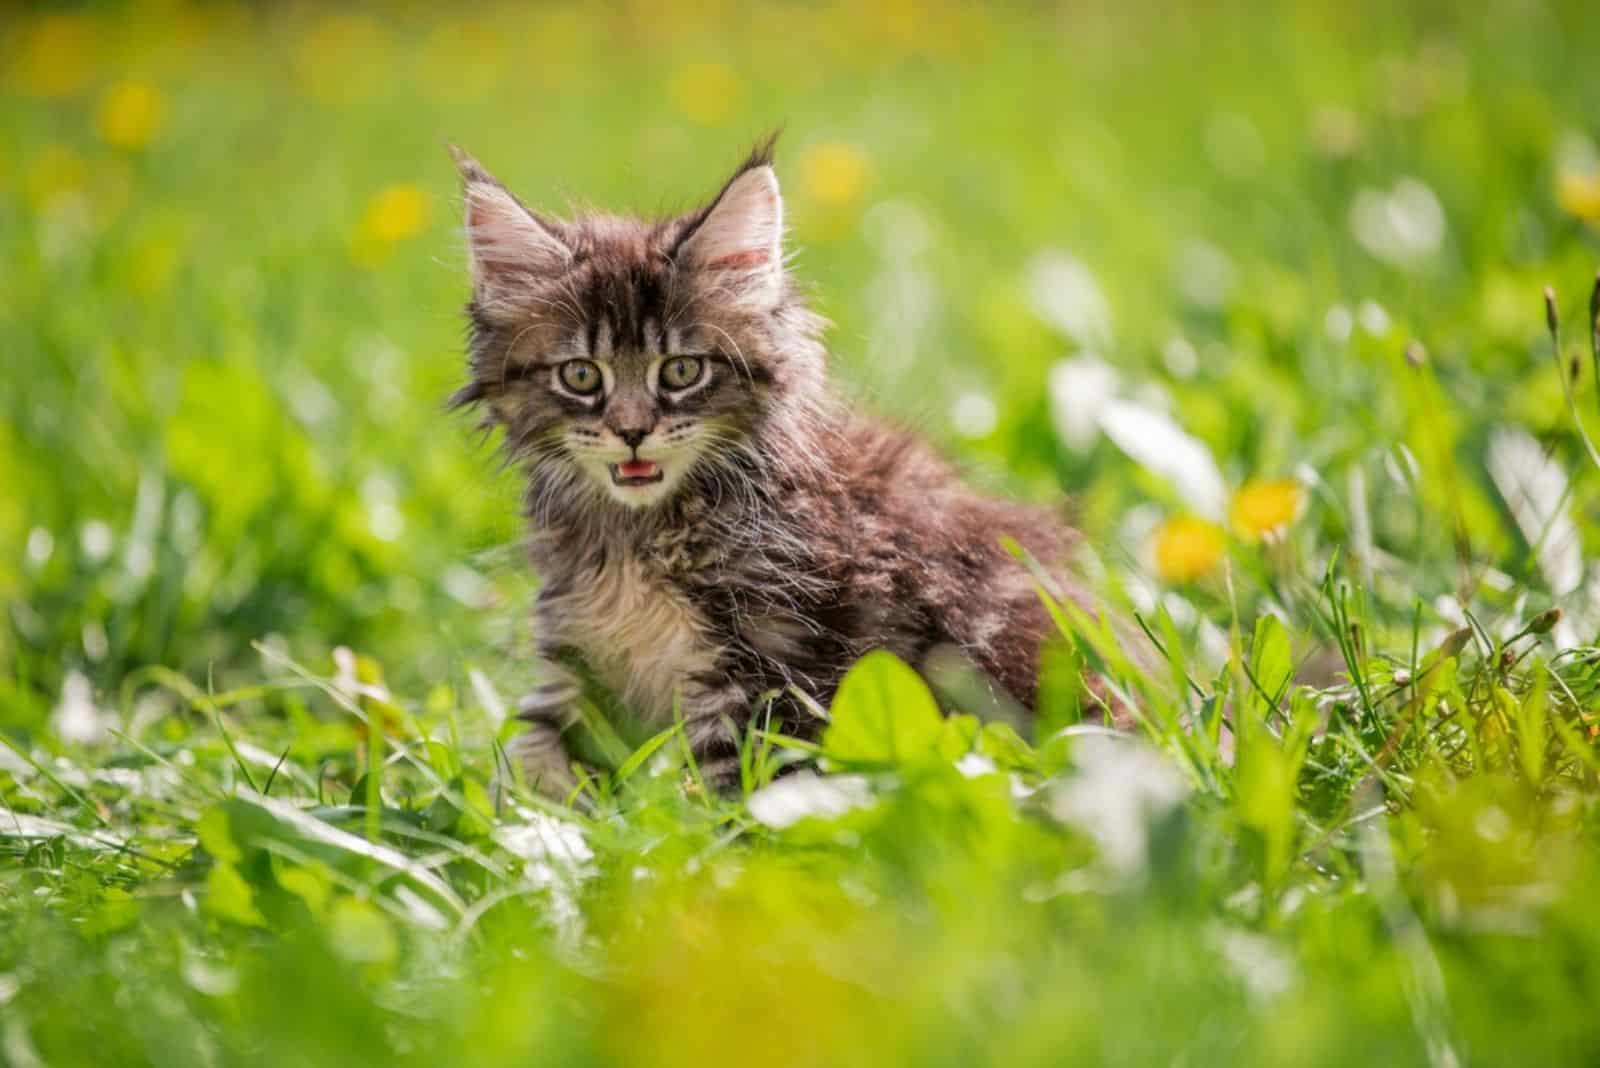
<point x="706" y="93"/>
<point x="53" y="174"/>
<point x="1264" y="505"/>
<point x="395" y="214"/>
<point x="341" y="56"/>
<point x="833" y="174"/>
<point x="1186" y="547"/>
<point x="130" y="114"/>
<point x="1578" y="194"/>
<point x="53" y="56"/>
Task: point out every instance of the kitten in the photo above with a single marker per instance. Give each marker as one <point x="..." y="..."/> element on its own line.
<point x="713" y="530"/>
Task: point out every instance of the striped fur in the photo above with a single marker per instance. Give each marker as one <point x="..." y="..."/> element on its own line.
<point x="786" y="535"/>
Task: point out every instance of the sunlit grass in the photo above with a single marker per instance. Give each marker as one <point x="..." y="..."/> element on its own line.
<point x="1259" y="288"/>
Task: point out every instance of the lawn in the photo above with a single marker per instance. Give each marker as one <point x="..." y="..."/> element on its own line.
<point x="1260" y="288"/>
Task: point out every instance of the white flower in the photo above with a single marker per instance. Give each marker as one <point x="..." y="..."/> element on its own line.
<point x="1157" y="443"/>
<point x="550" y="845"/>
<point x="1180" y="357"/>
<point x="1205" y="275"/>
<point x="96" y="540"/>
<point x="76" y="719"/>
<point x="1079" y="390"/>
<point x="806" y="794"/>
<point x="1535" y="489"/>
<point x="1066" y="295"/>
<point x="1338" y="323"/>
<point x="1402" y="226"/>
<point x="974" y="414"/>
<point x="974" y="765"/>
<point x="1255" y="960"/>
<point x="1120" y="788"/>
<point x="41" y="543"/>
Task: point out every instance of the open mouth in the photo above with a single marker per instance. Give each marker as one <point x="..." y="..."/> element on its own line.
<point x="635" y="473"/>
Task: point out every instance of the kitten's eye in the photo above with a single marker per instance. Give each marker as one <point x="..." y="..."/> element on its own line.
<point x="681" y="372"/>
<point x="580" y="376"/>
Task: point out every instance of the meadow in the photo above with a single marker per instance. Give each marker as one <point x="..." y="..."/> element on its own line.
<point x="1294" y="303"/>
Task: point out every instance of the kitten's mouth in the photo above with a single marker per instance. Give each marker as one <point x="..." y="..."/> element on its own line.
<point x="635" y="473"/>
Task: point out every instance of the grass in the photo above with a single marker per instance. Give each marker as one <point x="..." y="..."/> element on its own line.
<point x="1259" y="287"/>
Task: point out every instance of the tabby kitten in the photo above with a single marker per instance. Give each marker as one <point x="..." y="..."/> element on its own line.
<point x="714" y="531"/>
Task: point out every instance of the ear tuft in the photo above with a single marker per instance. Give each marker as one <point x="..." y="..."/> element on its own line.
<point x="511" y="248"/>
<point x="741" y="233"/>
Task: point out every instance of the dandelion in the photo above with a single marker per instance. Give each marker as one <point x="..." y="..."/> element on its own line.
<point x="395" y="214"/>
<point x="706" y="93"/>
<point x="833" y="174"/>
<point x="1263" y="506"/>
<point x="1187" y="547"/>
<point x="130" y="115"/>
<point x="53" y="56"/>
<point x="340" y="55"/>
<point x="1578" y="194"/>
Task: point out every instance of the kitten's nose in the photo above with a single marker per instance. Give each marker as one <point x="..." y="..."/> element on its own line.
<point x="632" y="437"/>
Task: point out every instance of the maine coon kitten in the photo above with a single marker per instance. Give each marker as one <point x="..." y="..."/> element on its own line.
<point x="712" y="529"/>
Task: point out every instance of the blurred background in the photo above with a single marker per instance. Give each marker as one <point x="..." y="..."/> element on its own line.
<point x="1165" y="259"/>
<point x="1254" y="287"/>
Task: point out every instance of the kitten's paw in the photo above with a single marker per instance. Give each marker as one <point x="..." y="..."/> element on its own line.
<point x="722" y="775"/>
<point x="545" y="763"/>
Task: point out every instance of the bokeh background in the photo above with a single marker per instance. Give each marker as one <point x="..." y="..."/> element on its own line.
<point x="1257" y="287"/>
<point x="233" y="276"/>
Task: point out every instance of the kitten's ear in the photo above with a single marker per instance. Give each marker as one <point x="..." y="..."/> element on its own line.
<point x="511" y="247"/>
<point x="741" y="233"/>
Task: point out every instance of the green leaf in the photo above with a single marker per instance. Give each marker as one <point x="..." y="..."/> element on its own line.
<point x="1060" y="700"/>
<point x="1271" y="662"/>
<point x="637" y="758"/>
<point x="308" y="885"/>
<point x="1000" y="743"/>
<point x="883" y="714"/>
<point x="361" y="934"/>
<point x="958" y="736"/>
<point x="230" y="897"/>
<point x="216" y="835"/>
<point x="1532" y="730"/>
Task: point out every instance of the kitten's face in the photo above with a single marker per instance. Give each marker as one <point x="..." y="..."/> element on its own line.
<point x="624" y="356"/>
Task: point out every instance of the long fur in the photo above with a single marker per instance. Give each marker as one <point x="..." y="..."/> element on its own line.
<point x="796" y="536"/>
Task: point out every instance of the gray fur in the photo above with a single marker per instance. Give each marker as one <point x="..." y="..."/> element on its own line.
<point x="787" y="535"/>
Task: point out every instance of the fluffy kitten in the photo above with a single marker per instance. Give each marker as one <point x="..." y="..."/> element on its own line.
<point x="713" y="530"/>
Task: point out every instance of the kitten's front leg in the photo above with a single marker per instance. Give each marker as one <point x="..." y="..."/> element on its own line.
<point x="550" y="710"/>
<point x="716" y="711"/>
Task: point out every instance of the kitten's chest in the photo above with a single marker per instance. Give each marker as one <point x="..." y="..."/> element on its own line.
<point x="637" y="631"/>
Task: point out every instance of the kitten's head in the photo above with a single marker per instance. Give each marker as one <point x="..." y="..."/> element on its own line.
<point x="626" y="357"/>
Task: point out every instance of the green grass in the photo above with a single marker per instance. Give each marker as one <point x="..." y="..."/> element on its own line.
<point x="1357" y="822"/>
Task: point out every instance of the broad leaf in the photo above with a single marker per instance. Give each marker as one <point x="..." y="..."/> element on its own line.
<point x="883" y="714"/>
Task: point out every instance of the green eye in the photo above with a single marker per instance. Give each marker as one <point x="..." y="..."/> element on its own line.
<point x="580" y="376"/>
<point x="681" y="372"/>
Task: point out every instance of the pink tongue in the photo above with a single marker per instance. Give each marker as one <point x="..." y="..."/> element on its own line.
<point x="636" y="468"/>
